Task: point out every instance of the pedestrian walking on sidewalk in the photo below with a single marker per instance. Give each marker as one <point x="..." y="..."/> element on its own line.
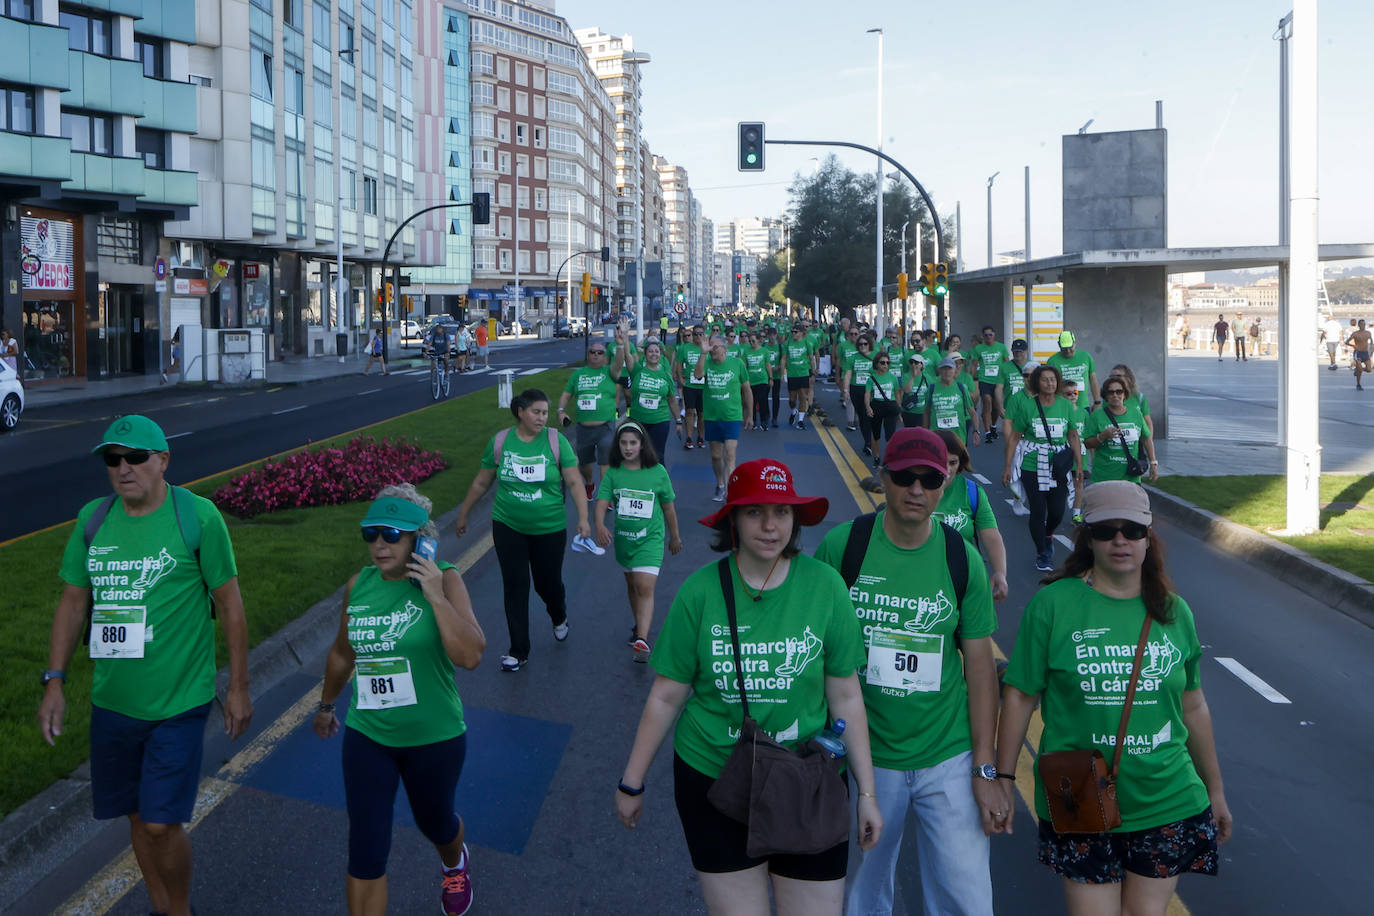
<point x="1113" y="593"/>
<point x="652" y="403"/>
<point x="592" y="390"/>
<point x="1360" y="345"/>
<point x="1240" y="333"/>
<point x="727" y="405"/>
<point x="1331" y="333"/>
<point x="1046" y="424"/>
<point x="853" y="385"/>
<point x="407" y="624"/>
<point x="175" y="365"/>
<point x="1220" y="330"/>
<point x="483" y="350"/>
<point x="530" y="464"/>
<point x="799" y="646"/>
<point x="1134" y="396"/>
<point x="374" y="352"/>
<point x="152" y="641"/>
<point x="1117" y="433"/>
<point x="882" y="401"/>
<point x="929" y="686"/>
<point x="9" y="351"/>
<point x="637" y="485"/>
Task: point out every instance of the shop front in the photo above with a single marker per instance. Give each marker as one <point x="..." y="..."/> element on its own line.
<point x="54" y="339"/>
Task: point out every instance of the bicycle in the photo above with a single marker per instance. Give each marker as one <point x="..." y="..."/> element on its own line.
<point x="439" y="375"/>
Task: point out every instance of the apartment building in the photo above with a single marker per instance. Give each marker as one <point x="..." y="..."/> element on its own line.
<point x="95" y="121"/>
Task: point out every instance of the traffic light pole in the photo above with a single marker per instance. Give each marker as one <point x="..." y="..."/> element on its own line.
<point x="940" y="254"/>
<point x="386" y="254"/>
<point x="556" y="310"/>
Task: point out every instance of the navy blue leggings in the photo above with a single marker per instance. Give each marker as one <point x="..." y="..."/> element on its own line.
<point x="371" y="772"/>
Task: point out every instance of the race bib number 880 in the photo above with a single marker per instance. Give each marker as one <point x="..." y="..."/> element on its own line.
<point x="117" y="631"/>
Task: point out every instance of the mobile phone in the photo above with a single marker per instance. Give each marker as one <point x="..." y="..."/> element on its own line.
<point x="424" y="547"/>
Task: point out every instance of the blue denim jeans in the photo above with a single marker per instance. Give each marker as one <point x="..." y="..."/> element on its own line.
<point x="950" y="844"/>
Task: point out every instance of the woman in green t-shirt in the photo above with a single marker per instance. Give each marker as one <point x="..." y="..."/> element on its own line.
<point x="651" y="393"/>
<point x="407" y="623"/>
<point x="1073" y="658"/>
<point x="644" y="500"/>
<point x="855" y="383"/>
<point x="1045" y="423"/>
<point x="915" y="390"/>
<point x="964" y="506"/>
<point x="1117" y="430"/>
<point x="530" y="465"/>
<point x="882" y="402"/>
<point x="1133" y="393"/>
<point x="801" y="645"/>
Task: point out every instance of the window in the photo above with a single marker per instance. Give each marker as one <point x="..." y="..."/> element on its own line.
<point x="483" y="94"/>
<point x="522" y="73"/>
<point x="522" y="199"/>
<point x="541" y="168"/>
<point x="522" y="103"/>
<point x="150" y="53"/>
<point x="524" y="260"/>
<point x="345" y="35"/>
<point x="503" y="162"/>
<point x="86" y="31"/>
<point x="18" y="9"/>
<point x="152" y="146"/>
<point x="540" y="110"/>
<point x="522" y="165"/>
<point x="119" y="239"/>
<point x="504" y="254"/>
<point x="294" y="100"/>
<point x="541" y="230"/>
<point x="520" y="136"/>
<point x="539" y="138"/>
<point x="503" y="130"/>
<point x="195" y="79"/>
<point x="291" y="13"/>
<point x="503" y="195"/>
<point x="541" y="262"/>
<point x="540" y="199"/>
<point x="89" y="132"/>
<point x="370" y="196"/>
<point x="503" y="98"/>
<point x="261" y="77"/>
<point x="17" y="113"/>
<point x="321" y="13"/>
<point x="350" y="188"/>
<point x="483" y="257"/>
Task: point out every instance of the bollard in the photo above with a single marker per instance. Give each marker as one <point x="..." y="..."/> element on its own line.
<point x="504" y="387"/>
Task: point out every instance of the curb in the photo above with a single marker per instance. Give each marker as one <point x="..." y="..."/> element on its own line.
<point x="1343" y="591"/>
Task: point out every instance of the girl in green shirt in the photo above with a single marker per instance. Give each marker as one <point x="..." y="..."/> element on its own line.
<point x="638" y="484"/>
<point x="407" y="622"/>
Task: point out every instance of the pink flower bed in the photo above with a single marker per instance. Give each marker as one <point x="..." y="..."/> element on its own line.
<point x="328" y="476"/>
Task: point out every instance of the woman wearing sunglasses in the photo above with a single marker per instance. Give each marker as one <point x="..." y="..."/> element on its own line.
<point x="881" y="404"/>
<point x="407" y="622"/>
<point x="1073" y="655"/>
<point x="856" y="387"/>
<point x="1117" y="431"/>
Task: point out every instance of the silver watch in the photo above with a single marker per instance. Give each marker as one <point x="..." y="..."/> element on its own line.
<point x="986" y="771"/>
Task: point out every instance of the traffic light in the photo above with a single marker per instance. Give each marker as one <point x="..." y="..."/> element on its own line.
<point x="927" y="279"/>
<point x="941" y="279"/>
<point x="605" y="253"/>
<point x="901" y="286"/>
<point x="586" y="287"/>
<point x="481" y="209"/>
<point x="751" y="146"/>
<point x="680" y="296"/>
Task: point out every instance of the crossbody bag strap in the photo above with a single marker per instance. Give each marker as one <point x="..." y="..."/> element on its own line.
<point x="727" y="587"/>
<point x="1124" y="447"/>
<point x="1045" y="423"/>
<point x="1130" y="694"/>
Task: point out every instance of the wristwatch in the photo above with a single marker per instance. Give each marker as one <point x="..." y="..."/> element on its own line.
<point x="54" y="674"/>
<point x="986" y="771"/>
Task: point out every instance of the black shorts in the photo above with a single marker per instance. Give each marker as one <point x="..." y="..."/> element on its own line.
<point x="691" y="398"/>
<point x="987" y="389"/>
<point x="717" y="843"/>
<point x="1188" y="846"/>
<point x="799" y="383"/>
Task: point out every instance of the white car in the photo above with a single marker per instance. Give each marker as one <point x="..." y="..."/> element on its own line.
<point x="11" y="397"/>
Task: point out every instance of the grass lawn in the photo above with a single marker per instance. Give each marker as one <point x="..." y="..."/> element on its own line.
<point x="1346" y="538"/>
<point x="287" y="561"/>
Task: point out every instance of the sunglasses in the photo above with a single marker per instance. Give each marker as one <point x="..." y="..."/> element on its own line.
<point x="930" y="478"/>
<point x="597" y="352"/>
<point x="880" y="362"/>
<point x="1132" y="531"/>
<point x="1111" y="391"/>
<point x="390" y="535"/>
<point x="112" y="459"/>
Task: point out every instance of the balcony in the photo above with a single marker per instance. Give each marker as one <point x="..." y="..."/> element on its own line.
<point x="105" y="175"/>
<point x="165" y="186"/>
<point x="174" y="19"/>
<point x="168" y="106"/>
<point x="35" y="54"/>
<point x="94" y="80"/>
<point x="35" y="157"/>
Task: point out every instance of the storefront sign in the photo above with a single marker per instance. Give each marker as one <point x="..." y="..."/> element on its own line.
<point x="183" y="286"/>
<point x="46" y="257"/>
<point x="159" y="286"/>
<point x="221" y="268"/>
<point x="250" y="271"/>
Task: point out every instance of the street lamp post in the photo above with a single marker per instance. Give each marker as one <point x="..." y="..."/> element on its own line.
<point x="338" y="198"/>
<point x="991" y="178"/>
<point x="878" y="276"/>
<point x="905" y="327"/>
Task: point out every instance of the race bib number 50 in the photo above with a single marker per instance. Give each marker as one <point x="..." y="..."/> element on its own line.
<point x="118" y="631"/>
<point x="384" y="683"/>
<point x="905" y="661"/>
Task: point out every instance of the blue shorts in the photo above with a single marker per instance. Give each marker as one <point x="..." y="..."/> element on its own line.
<point x="720" y="430"/>
<point x="151" y="769"/>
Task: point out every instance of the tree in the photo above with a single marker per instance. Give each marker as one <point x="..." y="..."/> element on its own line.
<point x="772" y="276"/>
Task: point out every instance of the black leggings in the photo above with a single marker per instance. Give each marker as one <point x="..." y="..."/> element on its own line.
<point x="1046" y="509"/>
<point x="910" y="419"/>
<point x="658" y="435"/>
<point x="519" y="556"/>
<point x="777" y="389"/>
<point x="761" y="413"/>
<point x="371" y="772"/>
<point x="884" y="419"/>
<point x="856" y="397"/>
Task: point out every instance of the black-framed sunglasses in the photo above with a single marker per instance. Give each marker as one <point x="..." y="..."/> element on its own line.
<point x="880" y="362"/>
<point x="390" y="535"/>
<point x="929" y="478"/>
<point x="1104" y="531"/>
<point x="1111" y="391"/>
<point x="597" y="352"/>
<point x="139" y="456"/>
<point x="864" y="345"/>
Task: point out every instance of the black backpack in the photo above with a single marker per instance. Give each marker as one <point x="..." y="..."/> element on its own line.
<point x="856" y="546"/>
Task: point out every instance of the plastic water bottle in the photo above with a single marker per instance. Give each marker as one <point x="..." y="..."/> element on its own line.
<point x="832" y="742"/>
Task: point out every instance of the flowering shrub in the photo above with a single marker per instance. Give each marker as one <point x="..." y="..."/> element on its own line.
<point x="328" y="476"/>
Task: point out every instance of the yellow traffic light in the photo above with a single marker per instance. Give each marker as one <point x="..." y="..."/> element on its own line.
<point x="586" y="287"/>
<point x="941" y="279"/>
<point x="928" y="279"/>
<point x="901" y="286"/>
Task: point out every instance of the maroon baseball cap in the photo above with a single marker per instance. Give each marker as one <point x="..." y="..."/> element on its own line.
<point x="916" y="447"/>
<point x="768" y="481"/>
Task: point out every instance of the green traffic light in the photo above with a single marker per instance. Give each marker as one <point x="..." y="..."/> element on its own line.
<point x="751" y="158"/>
<point x="941" y="289"/>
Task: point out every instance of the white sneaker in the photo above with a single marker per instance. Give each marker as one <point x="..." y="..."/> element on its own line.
<point x="1019" y="508"/>
<point x="587" y="545"/>
<point x="720" y="495"/>
<point x="560" y="630"/>
<point x="511" y="663"/>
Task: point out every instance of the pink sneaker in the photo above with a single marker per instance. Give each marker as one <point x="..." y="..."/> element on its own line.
<point x="456" y="894"/>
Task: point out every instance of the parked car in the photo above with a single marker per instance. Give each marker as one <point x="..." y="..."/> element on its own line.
<point x="11" y="397"/>
<point x="570" y="327"/>
<point x="515" y="327"/>
<point x="409" y="330"/>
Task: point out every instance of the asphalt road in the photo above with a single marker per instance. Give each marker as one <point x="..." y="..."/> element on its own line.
<point x="548" y="743"/>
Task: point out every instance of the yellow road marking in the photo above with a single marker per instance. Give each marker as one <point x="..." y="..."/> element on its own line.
<point x="111" y="883"/>
<point x="846" y="461"/>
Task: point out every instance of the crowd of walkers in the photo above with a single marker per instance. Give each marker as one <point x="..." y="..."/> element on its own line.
<point x="863" y="672"/>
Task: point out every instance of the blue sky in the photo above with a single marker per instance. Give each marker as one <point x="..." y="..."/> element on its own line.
<point x="1005" y="80"/>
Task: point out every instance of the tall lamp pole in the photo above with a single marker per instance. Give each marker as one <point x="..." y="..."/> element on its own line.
<point x="878" y="303"/>
<point x="991" y="179"/>
<point x="338" y="197"/>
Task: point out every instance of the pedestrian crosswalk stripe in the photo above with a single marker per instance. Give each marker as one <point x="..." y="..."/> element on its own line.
<point x="533" y="371"/>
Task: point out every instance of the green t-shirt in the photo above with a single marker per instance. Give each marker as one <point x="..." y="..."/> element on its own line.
<point x="885" y="386"/>
<point x="808" y="618"/>
<point x="1079" y="368"/>
<point x="1027" y="423"/>
<point x="687" y="355"/>
<point x="957" y="512"/>
<point x="637" y="496"/>
<point x="933" y="355"/>
<point x="949" y="407"/>
<point x="1109" y="458"/>
<point x="721" y="399"/>
<point x="798" y="354"/>
<point x="905" y="600"/>
<point x="593" y="392"/>
<point x="1010" y="378"/>
<point x="1141" y="402"/>
<point x="816" y="340"/>
<point x="1074" y="650"/>
<point x="403" y="689"/>
<point x="918" y="397"/>
<point x="1016" y="403"/>
<point x="988" y="359"/>
<point x="529" y="487"/>
<point x="758" y="361"/>
<point x="845" y="350"/>
<point x="153" y="642"/>
<point x="736" y="350"/>
<point x="860" y="368"/>
<point x="650" y="390"/>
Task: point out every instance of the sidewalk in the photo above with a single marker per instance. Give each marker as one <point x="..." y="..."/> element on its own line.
<point x="294" y="370"/>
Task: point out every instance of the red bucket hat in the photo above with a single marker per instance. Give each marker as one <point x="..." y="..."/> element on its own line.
<point x="767" y="481"/>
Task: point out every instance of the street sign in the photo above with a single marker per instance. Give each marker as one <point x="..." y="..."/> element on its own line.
<point x="160" y="269"/>
<point x="680" y="308"/>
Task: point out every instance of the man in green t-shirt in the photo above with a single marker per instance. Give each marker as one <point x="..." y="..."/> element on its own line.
<point x="929" y="687"/>
<point x="799" y="365"/>
<point x="686" y="355"/>
<point x="146" y="562"/>
<point x="1078" y="365"/>
<point x="728" y="404"/>
<point x="595" y="387"/>
<point x="1009" y="378"/>
<point x="985" y="364"/>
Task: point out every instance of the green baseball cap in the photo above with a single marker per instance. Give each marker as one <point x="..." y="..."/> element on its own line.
<point x="133" y="431"/>
<point x="1065" y="339"/>
<point x="393" y="512"/>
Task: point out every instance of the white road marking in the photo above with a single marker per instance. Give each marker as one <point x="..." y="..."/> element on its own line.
<point x="1252" y="680"/>
<point x="179" y="435"/>
<point x="981" y="479"/>
<point x="370" y="391"/>
<point x="1063" y="540"/>
<point x="415" y="372"/>
<point x="476" y="371"/>
<point x="533" y="371"/>
<point x="290" y="409"/>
